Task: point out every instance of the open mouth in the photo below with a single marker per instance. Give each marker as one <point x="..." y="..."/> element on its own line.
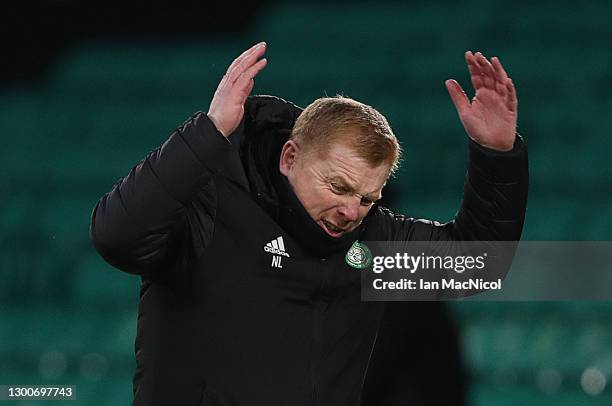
<point x="332" y="229"/>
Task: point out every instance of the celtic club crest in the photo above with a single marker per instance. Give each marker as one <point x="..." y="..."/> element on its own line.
<point x="359" y="256"/>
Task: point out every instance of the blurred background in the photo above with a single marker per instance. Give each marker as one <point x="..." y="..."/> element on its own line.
<point x="86" y="91"/>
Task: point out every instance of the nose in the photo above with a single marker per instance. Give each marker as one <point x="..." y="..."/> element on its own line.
<point x="350" y="209"/>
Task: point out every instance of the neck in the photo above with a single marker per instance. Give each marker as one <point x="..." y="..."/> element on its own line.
<point x="294" y="218"/>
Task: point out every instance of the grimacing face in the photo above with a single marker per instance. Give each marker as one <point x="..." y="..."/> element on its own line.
<point x="336" y="188"/>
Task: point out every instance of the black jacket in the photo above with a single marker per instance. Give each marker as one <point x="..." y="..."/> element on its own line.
<point x="220" y="322"/>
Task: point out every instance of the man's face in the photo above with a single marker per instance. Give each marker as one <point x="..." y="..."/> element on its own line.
<point x="337" y="188"/>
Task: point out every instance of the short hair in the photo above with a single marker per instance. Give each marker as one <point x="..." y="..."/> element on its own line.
<point x="340" y="118"/>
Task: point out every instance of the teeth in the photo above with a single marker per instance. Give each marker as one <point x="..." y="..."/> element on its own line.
<point x="331" y="227"/>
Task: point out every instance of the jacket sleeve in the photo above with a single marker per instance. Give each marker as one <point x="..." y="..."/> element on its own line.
<point x="493" y="205"/>
<point x="142" y="222"/>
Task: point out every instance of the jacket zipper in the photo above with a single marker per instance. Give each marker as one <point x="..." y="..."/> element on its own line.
<point x="316" y="336"/>
<point x="315" y="355"/>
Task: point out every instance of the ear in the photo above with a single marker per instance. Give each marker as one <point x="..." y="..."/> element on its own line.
<point x="288" y="157"/>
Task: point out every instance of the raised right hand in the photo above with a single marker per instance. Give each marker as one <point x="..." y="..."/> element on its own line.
<point x="227" y="106"/>
<point x="490" y="117"/>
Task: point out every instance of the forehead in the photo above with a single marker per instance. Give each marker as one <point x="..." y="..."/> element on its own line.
<point x="340" y="160"/>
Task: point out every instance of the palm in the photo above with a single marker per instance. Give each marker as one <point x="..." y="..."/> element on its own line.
<point x="490" y="117"/>
<point x="227" y="106"/>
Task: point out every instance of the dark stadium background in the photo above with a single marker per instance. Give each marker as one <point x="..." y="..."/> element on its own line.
<point x="86" y="90"/>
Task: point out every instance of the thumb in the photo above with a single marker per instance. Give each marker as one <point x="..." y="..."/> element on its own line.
<point x="458" y="96"/>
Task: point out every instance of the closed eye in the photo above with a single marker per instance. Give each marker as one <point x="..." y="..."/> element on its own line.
<point x="337" y="188"/>
<point x="366" y="202"/>
<point x="340" y="189"/>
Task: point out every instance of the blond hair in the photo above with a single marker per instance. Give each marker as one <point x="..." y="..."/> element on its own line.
<point x="340" y="118"/>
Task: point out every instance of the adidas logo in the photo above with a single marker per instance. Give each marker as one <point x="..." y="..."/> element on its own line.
<point x="276" y="246"/>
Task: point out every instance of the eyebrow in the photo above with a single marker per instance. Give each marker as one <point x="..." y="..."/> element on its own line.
<point x="372" y="196"/>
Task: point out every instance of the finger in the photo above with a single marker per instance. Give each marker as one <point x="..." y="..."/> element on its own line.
<point x="235" y="63"/>
<point x="247" y="91"/>
<point x="475" y="75"/>
<point x="458" y="96"/>
<point x="488" y="74"/>
<point x="246" y="79"/>
<point x="499" y="69"/>
<point x="511" y="99"/>
<point x="501" y="89"/>
<point x="243" y="55"/>
<point x="246" y="62"/>
<point x="255" y="69"/>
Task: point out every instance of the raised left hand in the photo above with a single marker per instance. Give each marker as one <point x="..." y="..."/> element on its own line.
<point x="490" y="117"/>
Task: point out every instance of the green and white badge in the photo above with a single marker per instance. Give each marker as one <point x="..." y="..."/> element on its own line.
<point x="359" y="256"/>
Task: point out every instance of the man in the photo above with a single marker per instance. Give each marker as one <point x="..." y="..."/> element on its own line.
<point x="239" y="224"/>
